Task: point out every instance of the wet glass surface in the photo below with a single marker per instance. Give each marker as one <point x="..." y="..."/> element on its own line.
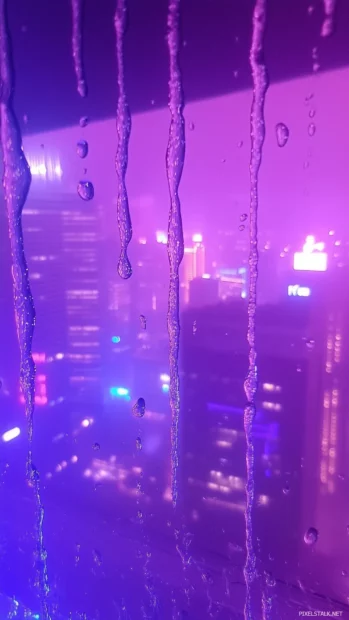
<point x="108" y="459"/>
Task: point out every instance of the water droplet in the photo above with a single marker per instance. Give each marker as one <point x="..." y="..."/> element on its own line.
<point x="240" y="144"/>
<point x="306" y="165"/>
<point x="0" y="384"/>
<point x="97" y="557"/>
<point x="86" y="190"/>
<point x="311" y="129"/>
<point x="82" y="148"/>
<point x="152" y="102"/>
<point x="191" y="126"/>
<point x="138" y="443"/>
<point x="309" y="97"/>
<point x="143" y="321"/>
<point x="310" y="343"/>
<point x="282" y="134"/>
<point x="195" y="327"/>
<point x="269" y="579"/>
<point x="139" y="408"/>
<point x="96" y="446"/>
<point x="223" y="161"/>
<point x="236" y="73"/>
<point x="311" y="536"/>
<point x="124" y="265"/>
<point x="344" y="573"/>
<point x="286" y="489"/>
<point x="83" y="121"/>
<point x="206" y="578"/>
<point x="316" y="67"/>
<point x="312" y="113"/>
<point x="25" y="119"/>
<point x="310" y="9"/>
<point x="243" y="217"/>
<point x="241" y="227"/>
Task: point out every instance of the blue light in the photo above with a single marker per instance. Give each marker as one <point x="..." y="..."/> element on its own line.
<point x="115" y="339"/>
<point x="120" y="392"/>
<point x="165" y="388"/>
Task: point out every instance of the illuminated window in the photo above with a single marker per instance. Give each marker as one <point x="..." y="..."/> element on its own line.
<point x="271" y="387"/>
<point x="271" y="406"/>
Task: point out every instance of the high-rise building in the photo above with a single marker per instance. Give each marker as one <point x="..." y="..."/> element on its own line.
<point x="64" y="253"/>
<point x="214" y="367"/>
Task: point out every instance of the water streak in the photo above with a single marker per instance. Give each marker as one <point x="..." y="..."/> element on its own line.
<point x="328" y="23"/>
<point x="123" y="127"/>
<point x="175" y="244"/>
<point x="77" y="14"/>
<point x="16" y="183"/>
<point x="260" y="85"/>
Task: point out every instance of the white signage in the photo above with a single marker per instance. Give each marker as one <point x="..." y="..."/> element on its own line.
<point x="294" y="290"/>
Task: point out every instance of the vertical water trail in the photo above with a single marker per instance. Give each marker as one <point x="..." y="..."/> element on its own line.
<point x="328" y="23"/>
<point x="123" y="127"/>
<point x="260" y="85"/>
<point x="16" y="183"/>
<point x="175" y="244"/>
<point x="77" y="14"/>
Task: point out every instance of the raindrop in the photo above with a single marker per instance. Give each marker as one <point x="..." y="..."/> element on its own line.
<point x="311" y="129"/>
<point x="139" y="408"/>
<point x="191" y="126"/>
<point x="82" y="148"/>
<point x="195" y="327"/>
<point x="241" y="227"/>
<point x="269" y="579"/>
<point x="236" y="73"/>
<point x="282" y="134"/>
<point x="286" y="489"/>
<point x="152" y="102"/>
<point x="97" y="557"/>
<point x="310" y="9"/>
<point x="240" y="144"/>
<point x="25" y="119"/>
<point x="223" y="161"/>
<point x="344" y="573"/>
<point x="86" y="190"/>
<point x="306" y="165"/>
<point x="143" y="321"/>
<point x="96" y="446"/>
<point x="83" y="121"/>
<point x="138" y="443"/>
<point x="310" y="343"/>
<point x="312" y="113"/>
<point x="0" y="384"/>
<point x="311" y="536"/>
<point x="207" y="578"/>
<point x="243" y="217"/>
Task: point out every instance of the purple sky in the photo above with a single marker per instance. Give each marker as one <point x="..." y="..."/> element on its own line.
<point x="293" y="199"/>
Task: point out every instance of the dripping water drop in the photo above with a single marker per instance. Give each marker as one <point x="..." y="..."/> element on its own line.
<point x="139" y="408"/>
<point x="83" y="121"/>
<point x="96" y="446"/>
<point x="282" y="134"/>
<point x="143" y="321"/>
<point x="311" y="129"/>
<point x="82" y="148"/>
<point x="311" y="536"/>
<point x="241" y="227"/>
<point x="138" y="443"/>
<point x="243" y="217"/>
<point x="191" y="126"/>
<point x="86" y="190"/>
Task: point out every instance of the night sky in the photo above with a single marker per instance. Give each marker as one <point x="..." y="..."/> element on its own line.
<point x="216" y="36"/>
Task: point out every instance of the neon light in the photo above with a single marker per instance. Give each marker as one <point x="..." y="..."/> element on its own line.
<point x="206" y="276"/>
<point x="11" y="434"/>
<point x="120" y="392"/>
<point x="161" y="237"/>
<point x="116" y="339"/>
<point x="294" y="290"/>
<point x="165" y="388"/>
<point x="312" y="258"/>
<point x="165" y="378"/>
<point x="197" y="238"/>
